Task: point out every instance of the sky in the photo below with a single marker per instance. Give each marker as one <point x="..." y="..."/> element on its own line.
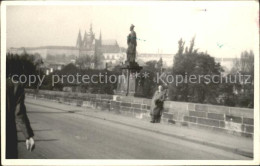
<point x="223" y="29"/>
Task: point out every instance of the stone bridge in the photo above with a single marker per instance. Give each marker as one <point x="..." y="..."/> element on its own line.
<point x="232" y="120"/>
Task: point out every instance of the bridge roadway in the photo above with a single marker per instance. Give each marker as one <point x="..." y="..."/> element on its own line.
<point x="65" y="135"/>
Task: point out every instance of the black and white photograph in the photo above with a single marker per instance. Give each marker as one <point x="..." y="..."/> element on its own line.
<point x="130" y="82"/>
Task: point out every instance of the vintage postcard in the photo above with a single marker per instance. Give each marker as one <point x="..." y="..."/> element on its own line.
<point x="130" y="83"/>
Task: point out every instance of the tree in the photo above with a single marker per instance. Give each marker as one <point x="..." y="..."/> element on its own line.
<point x="97" y="82"/>
<point x="24" y="64"/>
<point x="244" y="65"/>
<point x="84" y="62"/>
<point x="244" y="88"/>
<point x="189" y="62"/>
<point x="98" y="57"/>
<point x="148" y="78"/>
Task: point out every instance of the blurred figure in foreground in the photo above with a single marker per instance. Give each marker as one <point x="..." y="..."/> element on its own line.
<point x="16" y="110"/>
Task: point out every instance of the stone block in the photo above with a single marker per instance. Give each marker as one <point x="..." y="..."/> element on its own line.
<point x="208" y="122"/>
<point x="191" y="107"/>
<point x="79" y="103"/>
<point x="197" y="113"/>
<point x="249" y="129"/>
<point x="179" y="106"/>
<point x="216" y="116"/>
<point x="243" y="112"/>
<point x="124" y="104"/>
<point x="218" y="109"/>
<point x="144" y="106"/>
<point x="114" y="108"/>
<point x="127" y="99"/>
<point x="167" y="104"/>
<point x="190" y="119"/>
<point x="166" y="109"/>
<point x="144" y="111"/>
<point x="235" y="119"/>
<point x="108" y="97"/>
<point x="147" y="101"/>
<point x="137" y="100"/>
<point x="231" y="126"/>
<point x="137" y="110"/>
<point x="249" y="121"/>
<point x="248" y="135"/>
<point x="167" y="116"/>
<point x="171" y="121"/>
<point x="105" y="105"/>
<point x="163" y="120"/>
<point x="125" y="108"/>
<point x="138" y="115"/>
<point x="136" y="105"/>
<point x="115" y="103"/>
<point x="129" y="114"/>
<point x="200" y="107"/>
<point x="181" y="114"/>
<point x="184" y="124"/>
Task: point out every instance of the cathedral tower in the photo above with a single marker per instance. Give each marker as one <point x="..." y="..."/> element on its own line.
<point x="79" y="40"/>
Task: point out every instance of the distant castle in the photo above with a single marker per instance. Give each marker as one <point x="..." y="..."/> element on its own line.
<point x="89" y="45"/>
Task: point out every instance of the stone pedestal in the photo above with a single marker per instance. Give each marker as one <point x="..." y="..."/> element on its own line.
<point x="127" y="84"/>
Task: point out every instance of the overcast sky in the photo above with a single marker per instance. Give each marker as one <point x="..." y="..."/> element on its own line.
<point x="158" y="26"/>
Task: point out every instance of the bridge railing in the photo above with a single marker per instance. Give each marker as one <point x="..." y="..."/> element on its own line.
<point x="233" y="120"/>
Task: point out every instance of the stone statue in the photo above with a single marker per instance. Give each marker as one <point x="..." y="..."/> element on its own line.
<point x="128" y="84"/>
<point x="131" y="42"/>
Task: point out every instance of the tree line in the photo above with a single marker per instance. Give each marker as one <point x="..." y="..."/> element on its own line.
<point x="187" y="61"/>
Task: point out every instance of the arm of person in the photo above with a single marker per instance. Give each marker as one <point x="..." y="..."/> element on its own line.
<point x="21" y="118"/>
<point x="164" y="94"/>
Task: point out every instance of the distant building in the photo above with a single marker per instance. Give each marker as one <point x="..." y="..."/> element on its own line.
<point x="108" y="51"/>
<point x="166" y="58"/>
<point x="112" y="53"/>
<point x="44" y="51"/>
<point x="226" y="63"/>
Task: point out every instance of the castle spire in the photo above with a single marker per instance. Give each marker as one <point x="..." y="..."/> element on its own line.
<point x="100" y="38"/>
<point x="85" y="40"/>
<point x="79" y="40"/>
<point x="90" y="29"/>
<point x="92" y="35"/>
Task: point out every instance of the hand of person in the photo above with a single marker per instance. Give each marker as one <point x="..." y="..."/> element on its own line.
<point x="30" y="145"/>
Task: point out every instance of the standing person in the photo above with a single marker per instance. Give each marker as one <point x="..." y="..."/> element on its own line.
<point x="157" y="105"/>
<point x="16" y="114"/>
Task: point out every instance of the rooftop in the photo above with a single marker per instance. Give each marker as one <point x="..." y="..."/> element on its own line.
<point x="109" y="42"/>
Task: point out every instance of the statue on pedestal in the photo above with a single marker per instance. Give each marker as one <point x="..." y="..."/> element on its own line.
<point x="131" y="42"/>
<point x="128" y="84"/>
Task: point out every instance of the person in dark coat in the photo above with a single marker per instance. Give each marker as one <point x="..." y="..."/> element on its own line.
<point x="16" y="114"/>
<point x="157" y="105"/>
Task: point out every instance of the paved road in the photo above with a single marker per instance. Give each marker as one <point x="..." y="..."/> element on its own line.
<point x="62" y="135"/>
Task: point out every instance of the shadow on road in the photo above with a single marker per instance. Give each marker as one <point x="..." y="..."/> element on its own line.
<point x="40" y="140"/>
<point x="38" y="130"/>
<point x="42" y="112"/>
